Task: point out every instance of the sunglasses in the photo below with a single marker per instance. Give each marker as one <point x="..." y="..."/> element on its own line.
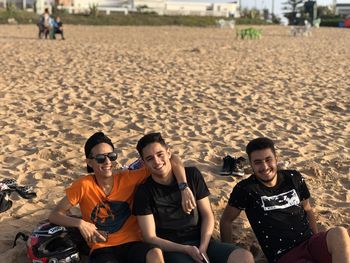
<point x="101" y="158"/>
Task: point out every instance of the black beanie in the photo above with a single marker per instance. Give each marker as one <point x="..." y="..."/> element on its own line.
<point x="95" y="139"/>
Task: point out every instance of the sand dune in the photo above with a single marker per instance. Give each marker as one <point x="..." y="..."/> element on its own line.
<point x="207" y="92"/>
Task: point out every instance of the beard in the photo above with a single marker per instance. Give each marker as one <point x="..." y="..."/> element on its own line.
<point x="267" y="180"/>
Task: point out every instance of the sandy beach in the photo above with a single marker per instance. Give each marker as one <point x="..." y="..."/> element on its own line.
<point x="206" y="91"/>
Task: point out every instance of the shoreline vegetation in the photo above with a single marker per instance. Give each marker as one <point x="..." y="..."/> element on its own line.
<point x="132" y="19"/>
<point x="142" y="19"/>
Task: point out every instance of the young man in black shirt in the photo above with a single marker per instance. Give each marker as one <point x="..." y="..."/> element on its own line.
<point x="278" y="209"/>
<point x="157" y="205"/>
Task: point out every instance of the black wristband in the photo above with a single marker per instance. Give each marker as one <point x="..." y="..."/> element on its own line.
<point x="182" y="186"/>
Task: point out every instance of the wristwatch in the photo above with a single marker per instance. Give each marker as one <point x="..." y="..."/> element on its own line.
<point x="182" y="186"/>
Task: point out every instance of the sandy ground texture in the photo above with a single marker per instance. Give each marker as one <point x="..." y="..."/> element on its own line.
<point x="206" y="91"/>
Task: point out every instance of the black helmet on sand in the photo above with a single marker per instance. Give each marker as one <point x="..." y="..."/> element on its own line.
<point x="50" y="243"/>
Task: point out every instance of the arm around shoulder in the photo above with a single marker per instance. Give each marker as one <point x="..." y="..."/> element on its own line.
<point x="188" y="201"/>
<point x="178" y="169"/>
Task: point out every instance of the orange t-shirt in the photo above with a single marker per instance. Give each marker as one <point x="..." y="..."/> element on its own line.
<point x="110" y="213"/>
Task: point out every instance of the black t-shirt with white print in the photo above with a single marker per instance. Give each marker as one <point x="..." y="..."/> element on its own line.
<point x="164" y="202"/>
<point x="275" y="214"/>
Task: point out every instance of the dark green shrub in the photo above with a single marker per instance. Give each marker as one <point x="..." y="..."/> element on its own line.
<point x="11" y="9"/>
<point x="331" y="22"/>
<point x="249" y="21"/>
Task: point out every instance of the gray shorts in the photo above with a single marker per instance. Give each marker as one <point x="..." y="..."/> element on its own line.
<point x="217" y="252"/>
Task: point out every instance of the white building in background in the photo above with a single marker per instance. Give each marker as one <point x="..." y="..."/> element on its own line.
<point x="29" y="4"/>
<point x="22" y="4"/>
<point x="202" y="8"/>
<point x="162" y="7"/>
<point x="165" y="7"/>
<point x="157" y="6"/>
<point x="100" y="3"/>
<point x="342" y="9"/>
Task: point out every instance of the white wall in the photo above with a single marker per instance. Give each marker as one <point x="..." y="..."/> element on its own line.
<point x="172" y="6"/>
<point x="343" y="9"/>
<point x="152" y="5"/>
<point x="189" y="8"/>
<point x="231" y="8"/>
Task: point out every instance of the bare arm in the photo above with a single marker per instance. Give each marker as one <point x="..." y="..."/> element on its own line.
<point x="310" y="215"/>
<point x="59" y="216"/>
<point x="188" y="201"/>
<point x="148" y="231"/>
<point x="230" y="214"/>
<point x="207" y="226"/>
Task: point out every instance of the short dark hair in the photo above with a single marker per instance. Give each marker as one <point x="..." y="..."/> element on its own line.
<point x="260" y="144"/>
<point x="147" y="139"/>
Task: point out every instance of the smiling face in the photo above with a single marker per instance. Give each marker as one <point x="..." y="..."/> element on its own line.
<point x="103" y="170"/>
<point x="264" y="165"/>
<point x="156" y="158"/>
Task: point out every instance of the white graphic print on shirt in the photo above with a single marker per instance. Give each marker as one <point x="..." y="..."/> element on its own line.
<point x="280" y="201"/>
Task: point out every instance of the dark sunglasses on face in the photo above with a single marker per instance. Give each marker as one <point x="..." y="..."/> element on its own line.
<point x="101" y="158"/>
